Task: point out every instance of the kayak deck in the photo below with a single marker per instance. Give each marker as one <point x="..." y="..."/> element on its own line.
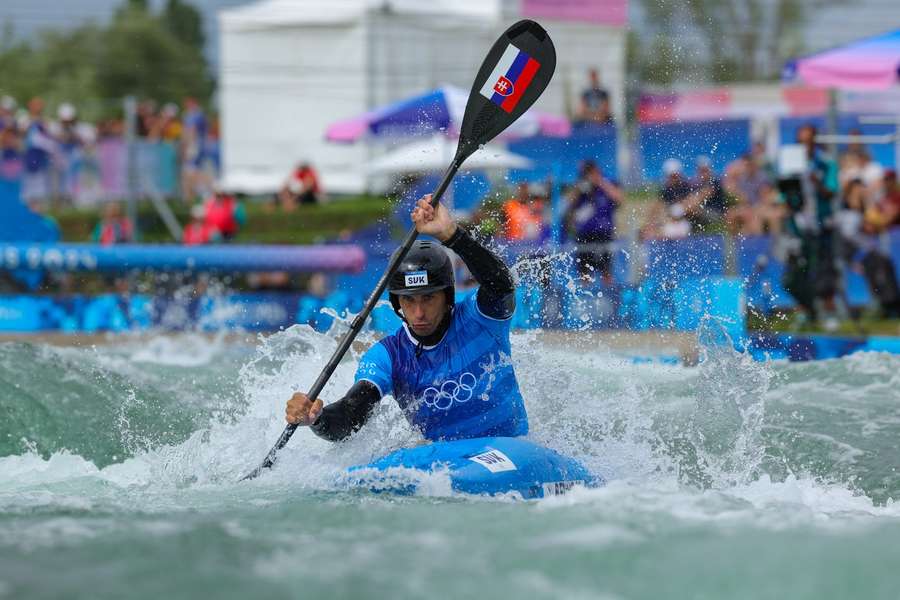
<point x="489" y="465"/>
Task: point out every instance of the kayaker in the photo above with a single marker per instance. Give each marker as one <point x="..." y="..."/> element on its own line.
<point x="448" y="366"/>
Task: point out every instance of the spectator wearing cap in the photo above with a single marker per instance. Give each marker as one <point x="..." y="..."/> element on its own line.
<point x="708" y="202"/>
<point x="74" y="137"/>
<point x="675" y="189"/>
<point x="40" y="147"/>
<point x="591" y="217"/>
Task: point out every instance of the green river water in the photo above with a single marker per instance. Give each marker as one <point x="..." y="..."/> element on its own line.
<point x="733" y="479"/>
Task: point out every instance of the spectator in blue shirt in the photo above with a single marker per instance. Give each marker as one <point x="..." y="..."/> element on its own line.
<point x="591" y="218"/>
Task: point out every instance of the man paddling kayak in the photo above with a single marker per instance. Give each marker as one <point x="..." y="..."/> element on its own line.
<point x="448" y="366"/>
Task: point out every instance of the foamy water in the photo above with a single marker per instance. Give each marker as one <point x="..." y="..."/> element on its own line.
<point x="119" y="468"/>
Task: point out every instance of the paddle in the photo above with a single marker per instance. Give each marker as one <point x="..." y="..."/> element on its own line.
<point x="513" y="75"/>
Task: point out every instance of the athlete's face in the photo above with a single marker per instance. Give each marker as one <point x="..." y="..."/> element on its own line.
<point x="424" y="312"/>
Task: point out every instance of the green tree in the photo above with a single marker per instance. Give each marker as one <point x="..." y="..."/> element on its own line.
<point x="725" y="40"/>
<point x="94" y="66"/>
<point x="184" y="22"/>
<point x="19" y="79"/>
<point x="68" y="66"/>
<point x="132" y="7"/>
<point x="140" y="57"/>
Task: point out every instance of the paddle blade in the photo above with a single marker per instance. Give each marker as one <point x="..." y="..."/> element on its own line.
<point x="512" y="77"/>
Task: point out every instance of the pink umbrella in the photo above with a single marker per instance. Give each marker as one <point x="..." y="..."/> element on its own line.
<point x="869" y="64"/>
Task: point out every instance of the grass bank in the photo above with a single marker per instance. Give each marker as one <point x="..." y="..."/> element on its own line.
<point x="265" y="225"/>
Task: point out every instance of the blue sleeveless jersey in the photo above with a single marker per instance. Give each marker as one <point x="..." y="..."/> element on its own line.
<point x="462" y="387"/>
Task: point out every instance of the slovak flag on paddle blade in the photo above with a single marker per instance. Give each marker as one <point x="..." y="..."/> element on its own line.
<point x="510" y="78"/>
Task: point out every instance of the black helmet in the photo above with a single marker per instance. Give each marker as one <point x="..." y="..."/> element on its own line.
<point x="425" y="269"/>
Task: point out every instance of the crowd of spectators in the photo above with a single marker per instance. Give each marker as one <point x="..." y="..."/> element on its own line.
<point x="836" y="211"/>
<point x="59" y="163"/>
<point x="53" y="158"/>
<point x="825" y="220"/>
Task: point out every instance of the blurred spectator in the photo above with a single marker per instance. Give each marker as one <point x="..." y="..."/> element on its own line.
<point x="10" y="142"/>
<point x="591" y="216"/>
<point x="757" y="207"/>
<point x="708" y="203"/>
<point x="7" y="112"/>
<point x="524" y="216"/>
<point x="280" y="281"/>
<point x="301" y="187"/>
<point x="675" y="226"/>
<point x="675" y="189"/>
<point x="595" y="106"/>
<point x="75" y="159"/>
<point x="856" y="146"/>
<point x="113" y="228"/>
<point x="193" y="136"/>
<point x="199" y="230"/>
<point x="167" y="127"/>
<point x="853" y="223"/>
<point x="210" y="159"/>
<point x="223" y="212"/>
<point x="858" y="165"/>
<point x="811" y="276"/>
<point x="146" y="118"/>
<point x="39" y="150"/>
<point x="760" y="158"/>
<point x="890" y="203"/>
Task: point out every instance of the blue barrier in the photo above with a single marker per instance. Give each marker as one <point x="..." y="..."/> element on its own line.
<point x="636" y="308"/>
<point x="654" y="304"/>
<point x="675" y="260"/>
<point x="466" y="192"/>
<point x="722" y="141"/>
<point x="223" y="258"/>
<point x="596" y="143"/>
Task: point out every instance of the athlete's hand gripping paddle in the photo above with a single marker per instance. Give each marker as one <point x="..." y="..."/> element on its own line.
<point x="512" y="77"/>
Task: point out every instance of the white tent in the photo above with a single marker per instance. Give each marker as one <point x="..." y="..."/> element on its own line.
<point x="288" y="68"/>
<point x="435" y="153"/>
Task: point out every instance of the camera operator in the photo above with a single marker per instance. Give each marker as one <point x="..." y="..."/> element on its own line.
<point x="811" y="275"/>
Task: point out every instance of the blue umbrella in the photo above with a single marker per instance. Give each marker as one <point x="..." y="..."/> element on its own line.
<point x="438" y="110"/>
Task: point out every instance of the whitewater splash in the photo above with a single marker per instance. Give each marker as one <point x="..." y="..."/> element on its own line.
<point x="676" y="430"/>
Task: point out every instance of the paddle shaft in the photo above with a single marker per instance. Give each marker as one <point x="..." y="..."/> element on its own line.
<point x="358" y="321"/>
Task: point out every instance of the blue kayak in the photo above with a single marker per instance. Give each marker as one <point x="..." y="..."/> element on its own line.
<point x="488" y="465"/>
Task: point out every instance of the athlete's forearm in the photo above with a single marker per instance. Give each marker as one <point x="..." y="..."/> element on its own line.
<point x="496" y="296"/>
<point x="339" y="420"/>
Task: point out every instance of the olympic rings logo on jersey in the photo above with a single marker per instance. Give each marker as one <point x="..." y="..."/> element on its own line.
<point x="443" y="397"/>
